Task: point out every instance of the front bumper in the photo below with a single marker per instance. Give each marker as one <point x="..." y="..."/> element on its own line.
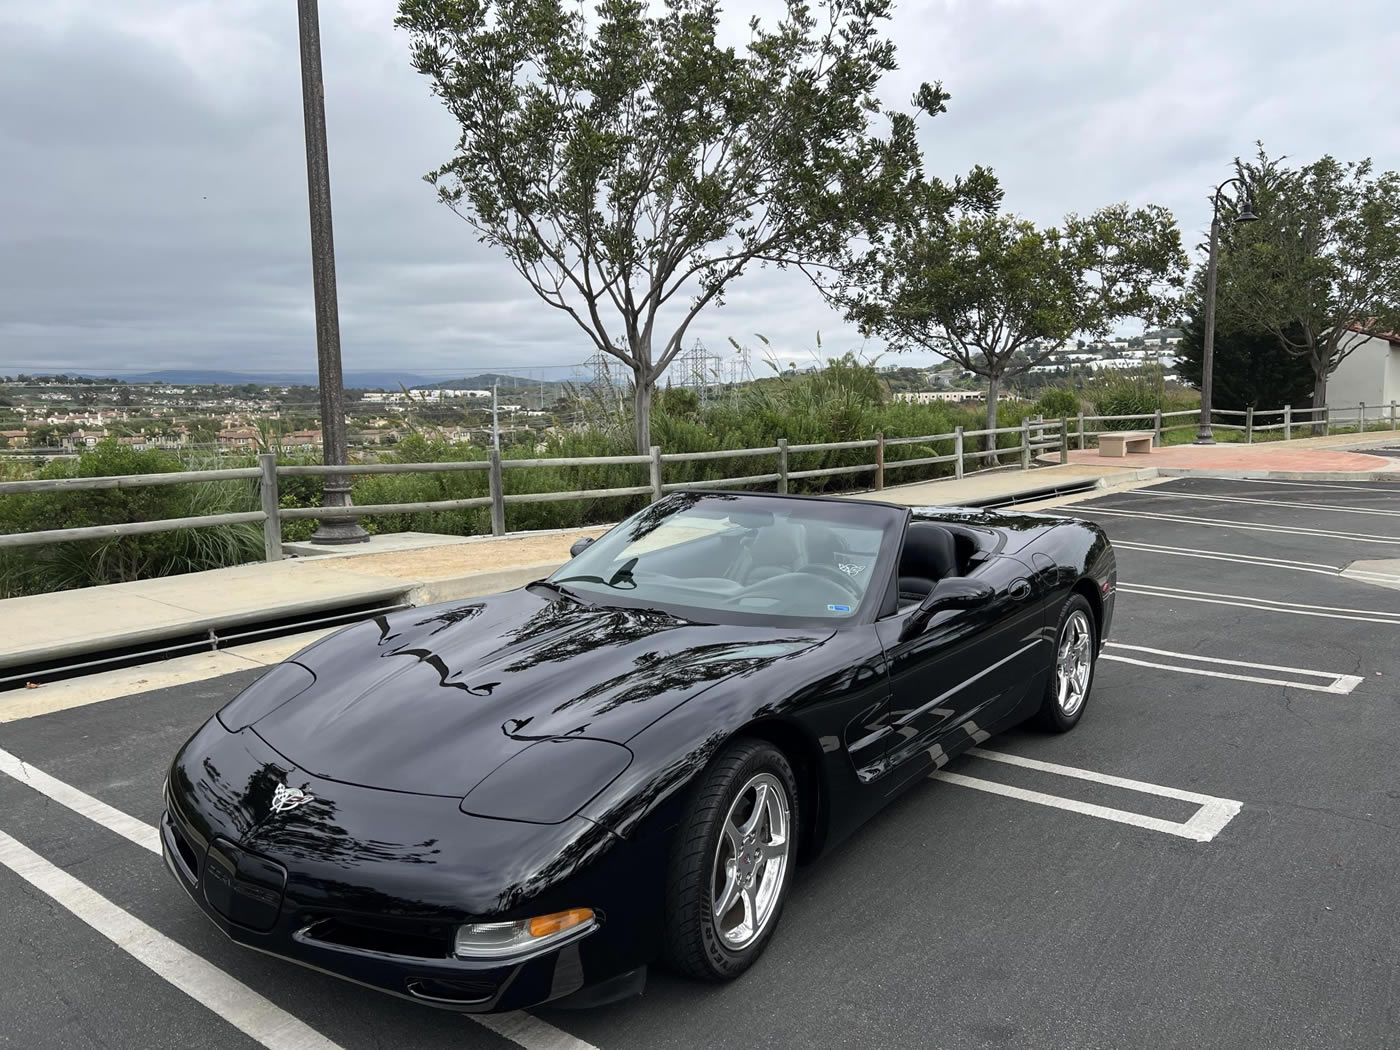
<point x="323" y="888"/>
<point x="319" y="941"/>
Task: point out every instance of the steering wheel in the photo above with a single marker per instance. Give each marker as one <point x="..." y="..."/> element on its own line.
<point x="835" y="575"/>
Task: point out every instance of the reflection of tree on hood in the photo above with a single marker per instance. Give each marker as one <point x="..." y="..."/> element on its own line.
<point x="654" y="673"/>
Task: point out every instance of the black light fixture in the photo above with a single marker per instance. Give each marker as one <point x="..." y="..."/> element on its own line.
<point x="1247" y="212"/>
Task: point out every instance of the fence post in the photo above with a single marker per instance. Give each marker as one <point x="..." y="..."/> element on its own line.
<point x="782" y="465"/>
<point x="1361" y="426"/>
<point x="655" y="473"/>
<point x="1026" y="444"/>
<point x="498" y="496"/>
<point x="1326" y="421"/>
<point x="271" y="502"/>
<point x="958" y="451"/>
<point x="1392" y="416"/>
<point x="1081" y="431"/>
<point x="879" y="460"/>
<point x="1248" y="424"/>
<point x="1287" y="422"/>
<point x="1064" y="439"/>
<point x="1157" y="429"/>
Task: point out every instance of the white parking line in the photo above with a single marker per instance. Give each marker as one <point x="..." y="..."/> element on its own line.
<point x="1331" y="508"/>
<point x="1203" y="825"/>
<point x="1220" y="523"/>
<point x="1257" y="560"/>
<point x="203" y="982"/>
<point x="1336" y="682"/>
<point x="206" y="984"/>
<point x="1329" y="612"/>
<point x="1314" y="486"/>
<point x="97" y="811"/>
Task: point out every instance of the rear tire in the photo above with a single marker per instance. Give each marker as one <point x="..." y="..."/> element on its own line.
<point x="731" y="863"/>
<point x="1071" y="667"/>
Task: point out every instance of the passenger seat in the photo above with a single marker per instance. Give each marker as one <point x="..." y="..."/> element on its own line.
<point x="929" y="555"/>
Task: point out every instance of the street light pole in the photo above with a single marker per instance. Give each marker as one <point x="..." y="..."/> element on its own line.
<point x="1204" y="434"/>
<point x="336" y="487"/>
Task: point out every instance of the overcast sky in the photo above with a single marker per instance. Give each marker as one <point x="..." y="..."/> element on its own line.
<point x="153" y="194"/>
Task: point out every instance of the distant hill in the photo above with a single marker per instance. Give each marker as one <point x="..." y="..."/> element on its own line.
<point x="190" y="376"/>
<point x="355" y="380"/>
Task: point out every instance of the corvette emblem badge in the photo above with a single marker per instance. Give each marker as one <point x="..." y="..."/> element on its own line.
<point x="285" y="798"/>
<point x="849" y="569"/>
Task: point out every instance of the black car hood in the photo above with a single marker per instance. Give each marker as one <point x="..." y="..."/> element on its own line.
<point x="432" y="700"/>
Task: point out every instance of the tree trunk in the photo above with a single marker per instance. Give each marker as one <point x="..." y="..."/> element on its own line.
<point x="989" y="443"/>
<point x="1319" y="396"/>
<point x="641" y="402"/>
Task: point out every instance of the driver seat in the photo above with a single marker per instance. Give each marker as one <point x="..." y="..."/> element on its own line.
<point x="929" y="555"/>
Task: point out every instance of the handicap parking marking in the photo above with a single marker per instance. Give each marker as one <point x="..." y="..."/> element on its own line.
<point x="1204" y="825"/>
<point x="1242" y="601"/>
<point x="202" y="981"/>
<point x="1185" y="663"/>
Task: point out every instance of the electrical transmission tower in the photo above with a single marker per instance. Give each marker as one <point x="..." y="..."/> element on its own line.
<point x="697" y="369"/>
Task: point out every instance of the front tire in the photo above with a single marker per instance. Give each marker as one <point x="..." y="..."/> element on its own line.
<point x="1072" y="667"/>
<point x="732" y="862"/>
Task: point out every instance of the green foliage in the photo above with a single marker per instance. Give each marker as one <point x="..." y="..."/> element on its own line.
<point x="952" y="275"/>
<point x="624" y="159"/>
<point x="1058" y="403"/>
<point x="50" y="567"/>
<point x="1248" y="365"/>
<point x="1319" y="261"/>
<point x="1140" y="395"/>
<point x="845" y="401"/>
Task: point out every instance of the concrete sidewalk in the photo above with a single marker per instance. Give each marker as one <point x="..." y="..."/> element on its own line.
<point x="420" y="569"/>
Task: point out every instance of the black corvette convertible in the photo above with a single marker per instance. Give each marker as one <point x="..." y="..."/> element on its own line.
<point x="494" y="803"/>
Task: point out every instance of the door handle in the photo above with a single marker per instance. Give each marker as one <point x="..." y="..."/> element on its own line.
<point x="1019" y="589"/>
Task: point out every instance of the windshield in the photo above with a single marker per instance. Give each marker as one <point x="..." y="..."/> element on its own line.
<point x="696" y="553"/>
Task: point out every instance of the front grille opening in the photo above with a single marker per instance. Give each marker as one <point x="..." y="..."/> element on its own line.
<point x="432" y="943"/>
<point x="451" y="990"/>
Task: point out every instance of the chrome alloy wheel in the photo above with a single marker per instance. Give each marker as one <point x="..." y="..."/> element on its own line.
<point x="1073" y="663"/>
<point x="750" y="861"/>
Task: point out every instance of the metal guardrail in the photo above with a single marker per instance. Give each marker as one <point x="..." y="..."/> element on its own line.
<point x="1035" y="435"/>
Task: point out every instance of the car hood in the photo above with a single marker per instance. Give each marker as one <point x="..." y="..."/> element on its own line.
<point x="431" y="700"/>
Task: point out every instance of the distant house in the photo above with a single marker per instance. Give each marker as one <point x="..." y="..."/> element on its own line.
<point x="238" y="438"/>
<point x="14" y="438"/>
<point x="1370" y="373"/>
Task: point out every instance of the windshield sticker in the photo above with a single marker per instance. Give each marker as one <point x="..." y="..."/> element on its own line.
<point x="839" y="608"/>
<point x="849" y="569"/>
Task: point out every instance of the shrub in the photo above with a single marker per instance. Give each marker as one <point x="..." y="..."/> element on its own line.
<point x="1058" y="403"/>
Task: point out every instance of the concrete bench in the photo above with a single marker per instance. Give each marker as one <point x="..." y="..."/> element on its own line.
<point x="1120" y="442"/>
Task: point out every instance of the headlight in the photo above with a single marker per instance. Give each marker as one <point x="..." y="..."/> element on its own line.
<point x="491" y="940"/>
<point x="265" y="695"/>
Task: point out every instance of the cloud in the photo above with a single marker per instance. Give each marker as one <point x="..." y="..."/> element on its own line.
<point x="155" y="195"/>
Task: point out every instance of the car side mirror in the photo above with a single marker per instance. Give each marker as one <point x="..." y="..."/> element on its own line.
<point x="580" y="545"/>
<point x="951" y="592"/>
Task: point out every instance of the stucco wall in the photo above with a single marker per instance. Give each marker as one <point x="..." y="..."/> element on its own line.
<point x="1370" y="373"/>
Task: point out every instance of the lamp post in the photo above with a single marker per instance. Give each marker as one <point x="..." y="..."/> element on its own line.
<point x="336" y="487"/>
<point x="1204" y="436"/>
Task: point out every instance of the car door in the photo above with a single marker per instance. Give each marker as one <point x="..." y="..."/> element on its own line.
<point x="966" y="669"/>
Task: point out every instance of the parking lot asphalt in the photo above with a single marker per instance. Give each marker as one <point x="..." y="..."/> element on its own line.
<point x="1241" y="889"/>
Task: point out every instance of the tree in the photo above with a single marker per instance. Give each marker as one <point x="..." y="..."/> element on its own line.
<point x="979" y="287"/>
<point x="631" y="168"/>
<point x="1248" y="367"/>
<point x="1321" y="267"/>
